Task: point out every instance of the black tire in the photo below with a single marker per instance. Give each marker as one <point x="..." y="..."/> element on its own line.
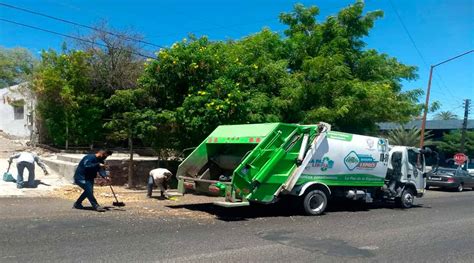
<point x="407" y="199"/>
<point x="427" y="187"/>
<point x="460" y="188"/>
<point x="315" y="202"/>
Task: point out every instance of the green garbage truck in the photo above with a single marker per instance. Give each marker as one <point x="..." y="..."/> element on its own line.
<point x="309" y="164"/>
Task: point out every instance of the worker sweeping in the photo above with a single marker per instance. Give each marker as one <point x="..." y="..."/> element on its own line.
<point x="159" y="177"/>
<point x="27" y="160"/>
<point x="86" y="171"/>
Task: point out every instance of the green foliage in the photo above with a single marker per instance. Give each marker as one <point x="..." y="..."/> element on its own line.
<point x="321" y="71"/>
<point x="435" y="106"/>
<point x="131" y="120"/>
<point x="446" y="115"/>
<point x="18" y="103"/>
<point x="343" y="83"/>
<point x="130" y="117"/>
<point x="408" y="137"/>
<point x="451" y="143"/>
<point x="67" y="104"/>
<point x="202" y="84"/>
<point x="16" y="66"/>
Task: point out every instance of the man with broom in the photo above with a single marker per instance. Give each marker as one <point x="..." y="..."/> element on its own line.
<point x="86" y="171"/>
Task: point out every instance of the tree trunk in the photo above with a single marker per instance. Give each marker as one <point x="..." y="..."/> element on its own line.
<point x="131" y="181"/>
<point x="67" y="132"/>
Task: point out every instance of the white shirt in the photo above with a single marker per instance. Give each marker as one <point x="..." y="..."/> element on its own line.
<point x="159" y="174"/>
<point x="25" y="157"/>
<point x="29" y="158"/>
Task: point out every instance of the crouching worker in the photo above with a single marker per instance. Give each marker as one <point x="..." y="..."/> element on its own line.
<point x="159" y="177"/>
<point x="27" y="160"/>
<point x="86" y="171"/>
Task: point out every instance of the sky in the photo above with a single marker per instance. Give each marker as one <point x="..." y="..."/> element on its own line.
<point x="423" y="33"/>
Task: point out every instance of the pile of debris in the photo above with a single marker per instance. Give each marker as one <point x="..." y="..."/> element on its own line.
<point x="137" y="203"/>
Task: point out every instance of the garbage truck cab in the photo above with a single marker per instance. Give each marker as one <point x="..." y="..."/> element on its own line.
<point x="310" y="164"/>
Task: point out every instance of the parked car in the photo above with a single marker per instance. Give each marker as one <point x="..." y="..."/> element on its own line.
<point x="449" y="178"/>
<point x="468" y="165"/>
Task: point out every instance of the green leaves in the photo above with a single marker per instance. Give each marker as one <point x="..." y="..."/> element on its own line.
<point x="319" y="71"/>
<point x="71" y="111"/>
<point x="408" y="137"/>
<point x="16" y="66"/>
<point x="131" y="117"/>
<point x="446" y="115"/>
<point x="451" y="143"/>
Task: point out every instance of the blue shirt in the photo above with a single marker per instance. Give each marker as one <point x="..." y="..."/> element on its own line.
<point x="88" y="168"/>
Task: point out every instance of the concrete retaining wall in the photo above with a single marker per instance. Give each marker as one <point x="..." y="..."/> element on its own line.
<point x="65" y="165"/>
<point x="62" y="168"/>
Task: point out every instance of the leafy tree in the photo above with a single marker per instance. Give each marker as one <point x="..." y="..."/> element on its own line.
<point x="131" y="120"/>
<point x="408" y="137"/>
<point x="446" y="115"/>
<point x="451" y="143"/>
<point x="203" y="84"/>
<point x="66" y="102"/>
<point x="16" y="66"/>
<point x="321" y="71"/>
<point x="345" y="83"/>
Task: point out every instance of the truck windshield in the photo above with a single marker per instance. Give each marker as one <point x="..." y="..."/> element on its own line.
<point x="416" y="159"/>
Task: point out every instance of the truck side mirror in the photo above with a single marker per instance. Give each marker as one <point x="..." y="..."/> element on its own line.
<point x="426" y="150"/>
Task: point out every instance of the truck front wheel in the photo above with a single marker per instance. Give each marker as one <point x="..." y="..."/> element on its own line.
<point x="407" y="199"/>
<point x="315" y="202"/>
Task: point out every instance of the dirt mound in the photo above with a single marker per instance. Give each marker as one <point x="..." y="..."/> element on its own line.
<point x="137" y="202"/>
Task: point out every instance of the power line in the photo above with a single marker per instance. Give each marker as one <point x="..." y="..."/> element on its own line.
<point x="73" y="37"/>
<point x="408" y="33"/>
<point x="417" y="49"/>
<point x="80" y="25"/>
<point x="445" y="86"/>
<point x="204" y="31"/>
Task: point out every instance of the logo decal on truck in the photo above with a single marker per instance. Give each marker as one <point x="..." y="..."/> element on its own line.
<point x="370" y="144"/>
<point x="325" y="163"/>
<point x="359" y="161"/>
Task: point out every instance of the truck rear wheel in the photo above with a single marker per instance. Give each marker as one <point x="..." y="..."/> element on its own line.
<point x="315" y="202"/>
<point x="407" y="199"/>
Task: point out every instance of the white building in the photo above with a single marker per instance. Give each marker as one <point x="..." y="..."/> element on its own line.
<point x="17" y="105"/>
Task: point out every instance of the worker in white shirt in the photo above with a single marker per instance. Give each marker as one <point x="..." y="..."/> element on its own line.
<point x="159" y="177"/>
<point x="27" y="160"/>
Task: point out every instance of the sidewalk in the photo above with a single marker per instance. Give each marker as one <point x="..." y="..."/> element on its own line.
<point x="46" y="184"/>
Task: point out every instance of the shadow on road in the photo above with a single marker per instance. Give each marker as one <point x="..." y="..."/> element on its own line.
<point x="282" y="209"/>
<point x="38" y="182"/>
<point x="108" y="208"/>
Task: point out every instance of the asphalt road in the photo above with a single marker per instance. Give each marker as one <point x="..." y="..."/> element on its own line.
<point x="439" y="229"/>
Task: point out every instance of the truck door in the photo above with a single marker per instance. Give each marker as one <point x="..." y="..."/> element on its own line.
<point x="416" y="169"/>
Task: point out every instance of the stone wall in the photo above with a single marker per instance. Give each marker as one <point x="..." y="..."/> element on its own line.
<point x="65" y="164"/>
<point x="119" y="170"/>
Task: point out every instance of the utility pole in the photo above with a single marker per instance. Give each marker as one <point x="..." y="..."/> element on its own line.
<point x="464" y="124"/>
<point x="425" y="112"/>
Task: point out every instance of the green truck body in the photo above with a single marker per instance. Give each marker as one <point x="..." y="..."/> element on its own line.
<point x="264" y="162"/>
